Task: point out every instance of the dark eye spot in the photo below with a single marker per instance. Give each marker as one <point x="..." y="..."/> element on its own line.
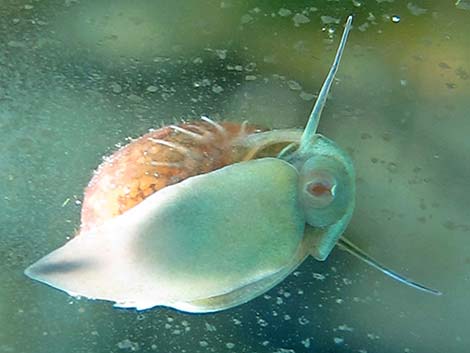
<point x="320" y="189"/>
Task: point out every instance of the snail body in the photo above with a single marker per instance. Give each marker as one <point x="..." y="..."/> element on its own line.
<point x="203" y="216"/>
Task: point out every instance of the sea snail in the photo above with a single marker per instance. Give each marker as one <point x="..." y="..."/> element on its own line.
<point x="204" y="216"/>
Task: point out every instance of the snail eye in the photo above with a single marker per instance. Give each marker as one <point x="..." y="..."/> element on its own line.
<point x="321" y="189"/>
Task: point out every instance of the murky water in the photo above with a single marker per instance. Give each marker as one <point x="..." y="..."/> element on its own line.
<point x="79" y="77"/>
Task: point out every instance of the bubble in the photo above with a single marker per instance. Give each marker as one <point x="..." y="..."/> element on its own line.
<point x="152" y="89"/>
<point x="395" y="19"/>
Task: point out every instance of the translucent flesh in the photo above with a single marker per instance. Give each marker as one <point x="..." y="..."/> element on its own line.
<point x="204" y="237"/>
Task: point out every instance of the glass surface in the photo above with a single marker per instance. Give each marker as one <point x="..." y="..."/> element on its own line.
<point x="77" y="78"/>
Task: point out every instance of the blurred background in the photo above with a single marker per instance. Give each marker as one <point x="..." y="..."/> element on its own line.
<point x="78" y="77"/>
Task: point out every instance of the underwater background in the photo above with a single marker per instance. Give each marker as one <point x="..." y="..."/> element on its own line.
<point x="79" y="77"/>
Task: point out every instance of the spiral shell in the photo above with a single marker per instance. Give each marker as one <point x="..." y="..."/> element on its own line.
<point x="158" y="159"/>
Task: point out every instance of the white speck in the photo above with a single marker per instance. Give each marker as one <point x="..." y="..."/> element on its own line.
<point x="284" y="350"/>
<point x="294" y="85"/>
<point x="287" y="317"/>
<point x="230" y="345"/>
<point x="284" y="12"/>
<point x="221" y="53"/>
<point x="250" y="77"/>
<point x="339" y="301"/>
<point x="15" y="21"/>
<point x="303" y="320"/>
<point x="262" y="322"/>
<point x="363" y="27"/>
<point x="203" y="343"/>
<point x="300" y="19"/>
<point x="135" y="98"/>
<point x="250" y="66"/>
<point x="128" y="345"/>
<point x="403" y="83"/>
<point x="306" y="342"/>
<point x="217" y="89"/>
<point x="152" y="89"/>
<point x="345" y="327"/>
<point x="197" y="60"/>
<point x="329" y="20"/>
<point x="160" y="59"/>
<point x="210" y="328"/>
<point x="28" y="7"/>
<point x="395" y="18"/>
<point x="415" y="9"/>
<point x="116" y="87"/>
<point x="318" y="276"/>
<point x="306" y="96"/>
<point x="373" y="336"/>
<point x="246" y="19"/>
<point x="338" y="340"/>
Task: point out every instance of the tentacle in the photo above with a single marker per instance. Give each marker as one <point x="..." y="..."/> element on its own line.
<point x="243" y="126"/>
<point x="177" y="147"/>
<point x="354" y="250"/>
<point x="266" y="138"/>
<point x="193" y="135"/>
<point x="217" y="126"/>
<point x="314" y="118"/>
<point x="286" y="150"/>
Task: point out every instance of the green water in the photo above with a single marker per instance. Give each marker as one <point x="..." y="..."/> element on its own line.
<point x="79" y="77"/>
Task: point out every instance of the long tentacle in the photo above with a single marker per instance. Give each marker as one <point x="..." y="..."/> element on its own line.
<point x="353" y="249"/>
<point x="314" y="118"/>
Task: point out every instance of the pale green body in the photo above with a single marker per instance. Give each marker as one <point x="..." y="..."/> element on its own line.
<point x="212" y="241"/>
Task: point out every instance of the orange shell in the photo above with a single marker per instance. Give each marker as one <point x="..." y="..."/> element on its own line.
<point x="157" y="159"/>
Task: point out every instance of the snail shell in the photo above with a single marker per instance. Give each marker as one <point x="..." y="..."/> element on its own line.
<point x="159" y="159"/>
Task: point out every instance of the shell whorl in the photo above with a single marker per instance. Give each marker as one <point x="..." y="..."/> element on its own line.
<point x="158" y="159"/>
